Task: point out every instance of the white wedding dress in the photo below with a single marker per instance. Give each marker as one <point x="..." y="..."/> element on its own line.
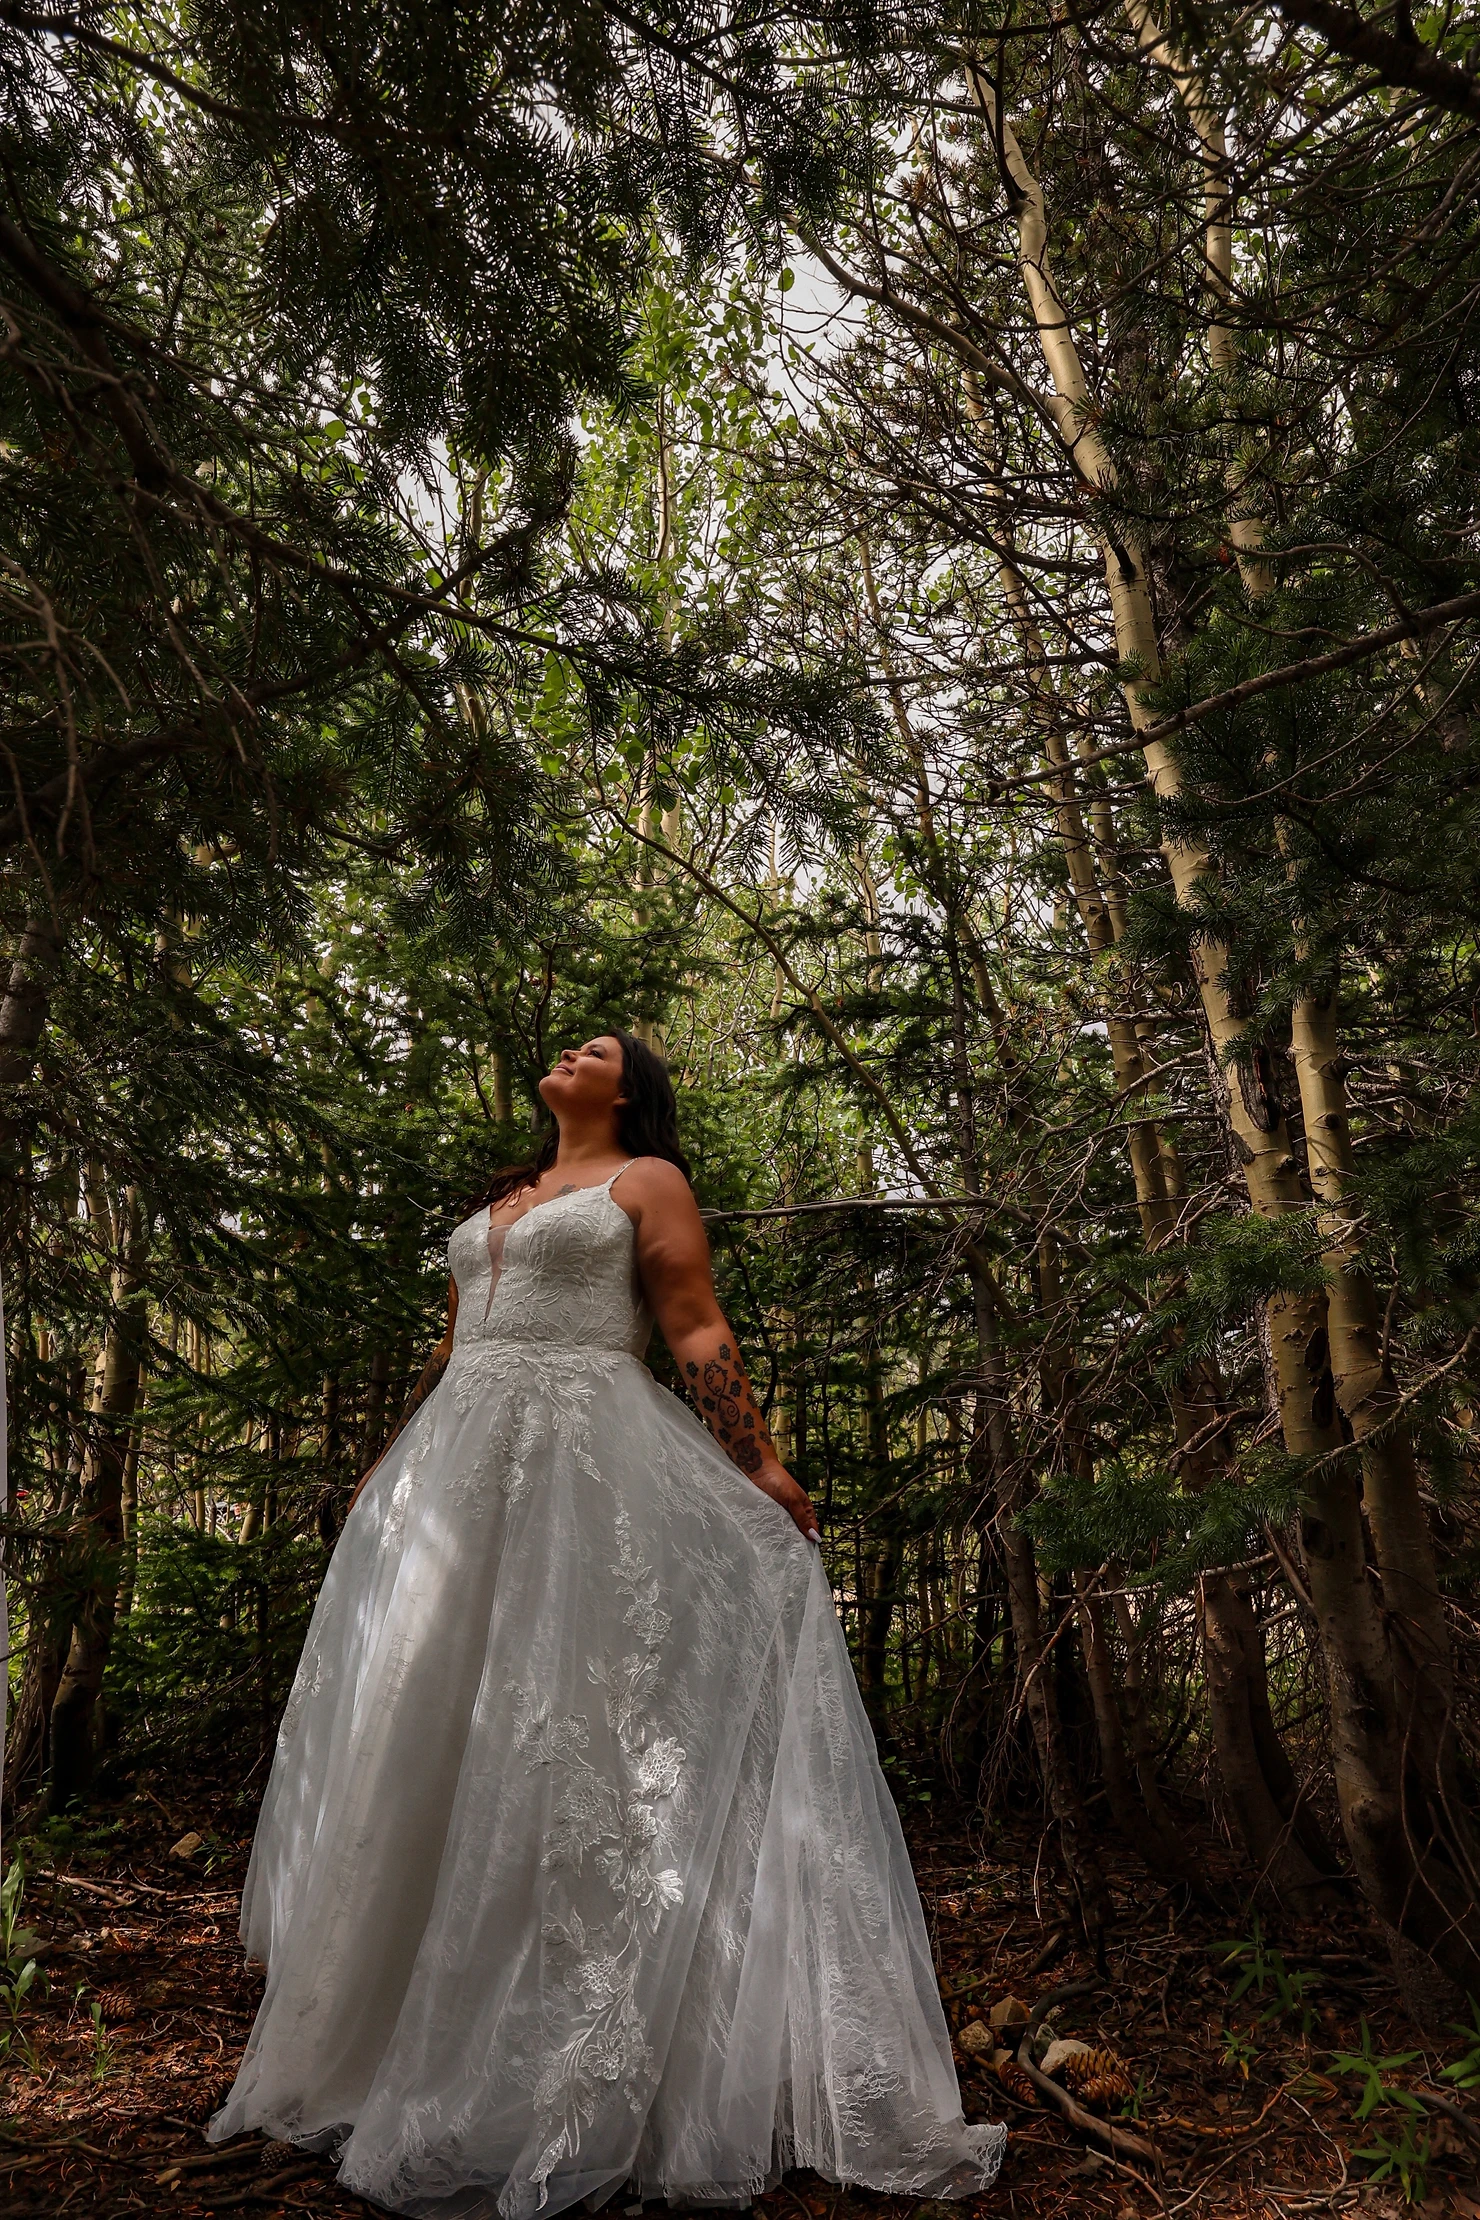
<point x="576" y="1865"/>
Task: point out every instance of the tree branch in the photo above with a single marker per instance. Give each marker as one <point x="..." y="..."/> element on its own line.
<point x="1405" y="62"/>
<point x="1416" y="625"/>
<point x="936" y="327"/>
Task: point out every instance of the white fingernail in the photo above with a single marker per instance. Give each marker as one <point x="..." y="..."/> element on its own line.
<point x="813" y="1535"/>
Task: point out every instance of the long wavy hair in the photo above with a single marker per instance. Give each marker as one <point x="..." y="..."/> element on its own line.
<point x="647" y="1124"/>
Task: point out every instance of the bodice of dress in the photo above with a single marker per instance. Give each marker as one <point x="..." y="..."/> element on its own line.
<point x="564" y="1273"/>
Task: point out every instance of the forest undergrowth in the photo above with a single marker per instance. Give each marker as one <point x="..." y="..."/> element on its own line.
<point x="1242" y="2067"/>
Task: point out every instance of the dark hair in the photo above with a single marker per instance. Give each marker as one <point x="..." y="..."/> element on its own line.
<point x="647" y="1124"/>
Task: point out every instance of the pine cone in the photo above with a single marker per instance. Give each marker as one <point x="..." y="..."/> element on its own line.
<point x="116" y="2006"/>
<point x="1016" y="2082"/>
<point x="1097" y="2077"/>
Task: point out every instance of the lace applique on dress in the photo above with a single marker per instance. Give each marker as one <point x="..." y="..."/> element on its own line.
<point x="306" y="1684"/>
<point x="554" y="1396"/>
<point x="620" y="1824"/>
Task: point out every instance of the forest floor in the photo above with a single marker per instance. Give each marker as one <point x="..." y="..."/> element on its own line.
<point x="118" y="2057"/>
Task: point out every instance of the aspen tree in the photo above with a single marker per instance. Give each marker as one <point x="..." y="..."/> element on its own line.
<point x="1257" y="1775"/>
<point x="1423" y="1898"/>
<point x="669" y="818"/>
<point x="23" y="1013"/>
<point x="1137" y="1805"/>
<point x="1365" y="1389"/>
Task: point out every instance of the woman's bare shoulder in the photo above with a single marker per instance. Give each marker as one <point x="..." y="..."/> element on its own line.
<point x="652" y="1182"/>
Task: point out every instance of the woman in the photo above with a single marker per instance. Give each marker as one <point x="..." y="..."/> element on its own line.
<point x="576" y="1865"/>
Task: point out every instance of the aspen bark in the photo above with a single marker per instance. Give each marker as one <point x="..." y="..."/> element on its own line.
<point x="1363" y="1379"/>
<point x="24" y="1006"/>
<point x="1156" y="1832"/>
<point x="1100" y="924"/>
<point x="1435" y="1808"/>
<point x="885" y="1560"/>
<point x="672" y="817"/>
<point x="1245" y="529"/>
<point x="648" y="1029"/>
<point x="129" y="1505"/>
<point x="503" y="1093"/>
<point x="27" y="1744"/>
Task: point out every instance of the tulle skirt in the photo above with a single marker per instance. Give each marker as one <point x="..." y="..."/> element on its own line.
<point x="576" y="1866"/>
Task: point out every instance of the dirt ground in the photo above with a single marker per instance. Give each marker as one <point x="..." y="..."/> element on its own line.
<point x="130" y="2035"/>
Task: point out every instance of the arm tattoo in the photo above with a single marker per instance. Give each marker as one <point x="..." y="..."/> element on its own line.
<point x="431" y="1373"/>
<point x="727" y="1403"/>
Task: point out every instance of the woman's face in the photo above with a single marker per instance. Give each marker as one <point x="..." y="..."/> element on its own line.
<point x="586" y="1081"/>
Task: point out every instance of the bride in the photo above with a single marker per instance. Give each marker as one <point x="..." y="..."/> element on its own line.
<point x="576" y="1866"/>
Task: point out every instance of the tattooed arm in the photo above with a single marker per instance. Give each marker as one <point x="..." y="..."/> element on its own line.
<point x="673" y="1259"/>
<point x="431" y="1373"/>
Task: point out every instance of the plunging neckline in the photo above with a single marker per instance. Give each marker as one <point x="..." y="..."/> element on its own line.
<point x="592" y="1187"/>
<point x="496" y="1237"/>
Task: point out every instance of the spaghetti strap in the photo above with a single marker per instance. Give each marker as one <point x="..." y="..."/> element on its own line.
<point x="616" y="1175"/>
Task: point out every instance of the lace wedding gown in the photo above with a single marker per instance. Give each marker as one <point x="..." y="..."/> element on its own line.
<point x="576" y="1864"/>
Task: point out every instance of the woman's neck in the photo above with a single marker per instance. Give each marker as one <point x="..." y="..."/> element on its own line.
<point x="582" y="1146"/>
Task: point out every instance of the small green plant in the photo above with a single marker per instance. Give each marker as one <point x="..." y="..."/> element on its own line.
<point x="71" y="1834"/>
<point x="102" y="2049"/>
<point x="102" y="2057"/>
<point x="1407" y="2155"/>
<point x="908" y="1785"/>
<point x="1465" y="2072"/>
<point x="1133" y="2106"/>
<point x="1373" y="2072"/>
<point x="18" y="1966"/>
<point x="1262" y="1970"/>
<point x="1238" y="2051"/>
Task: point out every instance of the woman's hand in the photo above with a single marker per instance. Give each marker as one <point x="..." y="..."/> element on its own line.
<point x="773" y="1479"/>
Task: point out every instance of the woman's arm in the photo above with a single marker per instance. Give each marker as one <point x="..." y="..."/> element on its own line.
<point x="673" y="1259"/>
<point x="431" y="1373"/>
